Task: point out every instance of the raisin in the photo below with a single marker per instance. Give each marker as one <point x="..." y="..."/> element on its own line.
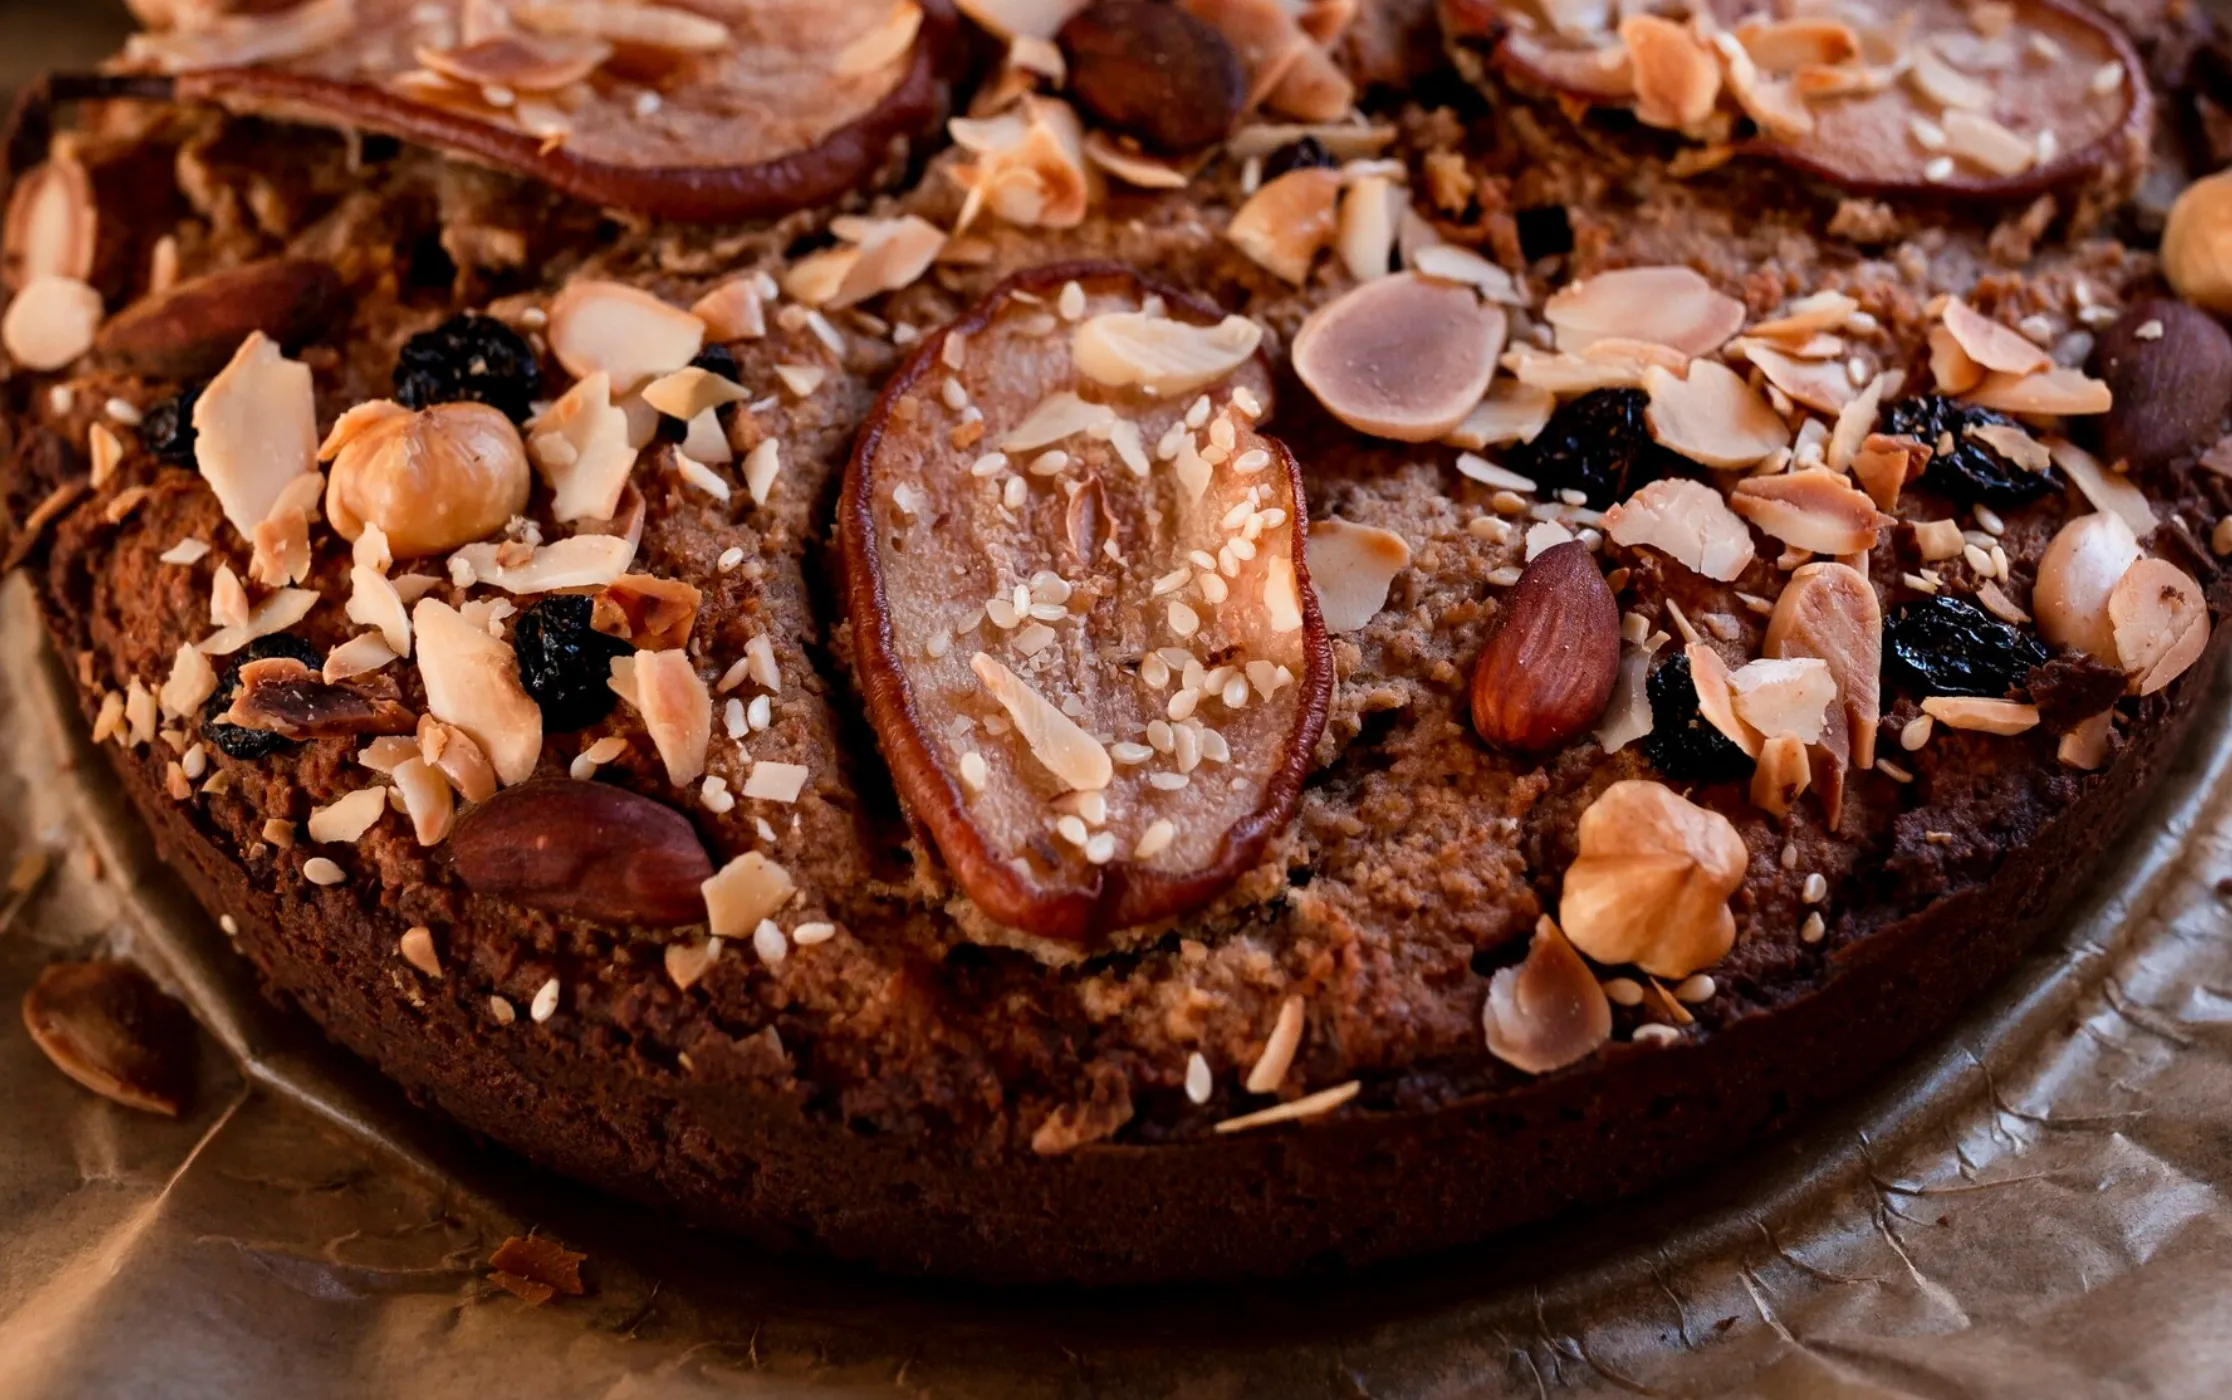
<point x="1682" y="743"/>
<point x="236" y="740"/>
<point x="1544" y="231"/>
<point x="1942" y="645"/>
<point x="1598" y="445"/>
<point x="167" y="429"/>
<point x="468" y="358"/>
<point x="1308" y="153"/>
<point x="565" y="663"/>
<point x="1972" y="472"/>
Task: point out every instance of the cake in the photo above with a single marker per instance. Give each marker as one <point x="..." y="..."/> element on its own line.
<point x="1132" y="641"/>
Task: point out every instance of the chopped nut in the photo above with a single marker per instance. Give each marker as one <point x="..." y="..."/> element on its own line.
<point x="1990" y="344"/>
<point x="2161" y="623"/>
<point x="1689" y="521"/>
<point x="1403" y="356"/>
<point x="628" y="335"/>
<point x="1987" y="716"/>
<point x="1351" y="567"/>
<point x="1284" y="225"/>
<point x="1652" y="880"/>
<point x="1549" y="1011"/>
<point x="472" y="682"/>
<point x="1815" y="509"/>
<point x="1669" y="306"/>
<point x="744" y="892"/>
<point x="677" y="710"/>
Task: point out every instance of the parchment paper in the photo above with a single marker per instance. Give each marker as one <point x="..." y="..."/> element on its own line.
<point x="2030" y="1207"/>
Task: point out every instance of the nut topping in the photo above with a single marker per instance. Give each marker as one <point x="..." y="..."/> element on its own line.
<point x="255" y="431"/>
<point x="1403" y="357"/>
<point x="472" y="682"/>
<point x="2077" y="575"/>
<point x="1816" y="509"/>
<point x="2161" y="623"/>
<point x="1687" y="520"/>
<point x="2197" y="243"/>
<point x="2168" y="367"/>
<point x="1153" y="71"/>
<point x="1830" y="612"/>
<point x="588" y="850"/>
<point x="287" y="698"/>
<point x="52" y="224"/>
<point x="109" y="1027"/>
<point x="1652" y="880"/>
<point x="1100" y="716"/>
<point x="190" y="329"/>
<point x="1548" y="671"/>
<point x="431" y="480"/>
<point x="1669" y="306"/>
<point x="1549" y="1011"/>
<point x="1352" y="566"/>
<point x="626" y="334"/>
<point x="1162" y="354"/>
<point x="50" y="322"/>
<point x="1284" y="225"/>
<point x="1712" y="416"/>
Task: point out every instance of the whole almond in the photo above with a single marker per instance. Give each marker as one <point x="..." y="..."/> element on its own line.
<point x="1151" y="70"/>
<point x="190" y="330"/>
<point x="1548" y="671"/>
<point x="584" y="848"/>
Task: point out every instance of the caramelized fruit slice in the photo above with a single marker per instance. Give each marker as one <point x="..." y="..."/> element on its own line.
<point x="1922" y="100"/>
<point x="729" y="109"/>
<point x="1086" y="632"/>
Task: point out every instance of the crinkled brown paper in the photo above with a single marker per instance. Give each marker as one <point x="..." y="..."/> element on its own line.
<point x="2029" y="1208"/>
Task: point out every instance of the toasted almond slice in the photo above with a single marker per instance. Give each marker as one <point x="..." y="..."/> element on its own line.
<point x="1670" y="306"/>
<point x="1983" y="716"/>
<point x="1352" y="566"/>
<point x="1804" y="319"/>
<point x="52" y="225"/>
<point x="1830" y="611"/>
<point x="472" y="682"/>
<point x="519" y="62"/>
<point x="1716" y="700"/>
<point x="578" y="561"/>
<point x="1030" y="168"/>
<point x="984" y="750"/>
<point x="622" y="332"/>
<point x="581" y="445"/>
<point x="255" y="431"/>
<point x="2077" y="576"/>
<point x="2051" y="391"/>
<point x="1786" y="45"/>
<point x="1780" y="775"/>
<point x="1884" y="465"/>
<point x="1550" y="1010"/>
<point x="1821" y="385"/>
<point x="1688" y="521"/>
<point x="1712" y="416"/>
<point x="1784" y="696"/>
<point x="1857" y="420"/>
<point x="1403" y="357"/>
<point x="1512" y="412"/>
<point x="1284" y="225"/>
<point x="1950" y="364"/>
<point x="2107" y="490"/>
<point x="1815" y="509"/>
<point x="1677" y="79"/>
<point x="690" y="391"/>
<point x="677" y="709"/>
<point x="2161" y="623"/>
<point x="1990" y="344"/>
<point x="1161" y="354"/>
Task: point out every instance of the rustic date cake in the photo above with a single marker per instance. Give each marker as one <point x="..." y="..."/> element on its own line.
<point x="1111" y="640"/>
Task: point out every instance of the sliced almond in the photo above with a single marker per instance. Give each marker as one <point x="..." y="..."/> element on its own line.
<point x="1512" y="412"/>
<point x="1284" y="225"/>
<point x="255" y="431"/>
<point x="677" y="710"/>
<point x="1982" y="716"/>
<point x="2056" y="391"/>
<point x="1780" y="775"/>
<point x="1716" y="699"/>
<point x="2087" y="558"/>
<point x="628" y="335"/>
<point x="1651" y="882"/>
<point x="2161" y="623"/>
<point x="1549" y="1011"/>
<point x="1805" y="318"/>
<point x="691" y="391"/>
<point x="346" y="818"/>
<point x="519" y="62"/>
<point x="1689" y="522"/>
<point x="1830" y="612"/>
<point x="578" y="561"/>
<point x="1712" y="416"/>
<point x="1821" y="385"/>
<point x="472" y="682"/>
<point x="1677" y="78"/>
<point x="732" y="311"/>
<point x="1161" y="354"/>
<point x="1402" y="357"/>
<point x="1885" y="464"/>
<point x="2107" y="490"/>
<point x="1352" y="566"/>
<point x="581" y="445"/>
<point x="1990" y="344"/>
<point x="1030" y="166"/>
<point x="1815" y="509"/>
<point x="744" y="892"/>
<point x="50" y="322"/>
<point x="1787" y="696"/>
<point x="52" y="224"/>
<point x="1669" y="306"/>
<point x="1950" y="365"/>
<point x="986" y="736"/>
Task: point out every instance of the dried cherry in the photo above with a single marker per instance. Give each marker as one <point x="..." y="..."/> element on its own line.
<point x="565" y="663"/>
<point x="167" y="428"/>
<point x="1971" y="472"/>
<point x="1599" y="445"/>
<point x="468" y="358"/>
<point x="238" y="740"/>
<point x="1942" y="645"/>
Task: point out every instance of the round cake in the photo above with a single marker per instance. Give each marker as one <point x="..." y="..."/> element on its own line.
<point x="1126" y="641"/>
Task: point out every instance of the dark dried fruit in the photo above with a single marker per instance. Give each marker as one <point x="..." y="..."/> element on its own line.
<point x="1304" y="153"/>
<point x="1941" y="645"/>
<point x="587" y="849"/>
<point x="235" y="740"/>
<point x="109" y="1027"/>
<point x="1150" y="70"/>
<point x="2072" y="688"/>
<point x="468" y="359"/>
<point x="167" y="429"/>
<point x="565" y="663"/>
<point x="1682" y="743"/>
<point x="284" y="696"/>
<point x="1546" y="674"/>
<point x="2169" y="366"/>
<point x="1971" y="472"/>
<point x="1599" y="445"/>
<point x="1545" y="231"/>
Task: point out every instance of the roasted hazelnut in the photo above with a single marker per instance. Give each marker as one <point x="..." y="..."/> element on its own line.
<point x="431" y="480"/>
<point x="2077" y="576"/>
<point x="2169" y="367"/>
<point x="2197" y="243"/>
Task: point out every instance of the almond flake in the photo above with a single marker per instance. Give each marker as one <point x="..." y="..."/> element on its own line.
<point x="347" y="818"/>
<point x="1712" y="416"/>
<point x="255" y="431"/>
<point x="2106" y="490"/>
<point x="1669" y="306"/>
<point x="1688" y="521"/>
<point x="2161" y="623"/>
<point x="1402" y="357"/>
<point x="1512" y="412"/>
<point x="1815" y="509"/>
<point x="1983" y="716"/>
<point x="1549" y="1011"/>
<point x="582" y="446"/>
<point x="1351" y="567"/>
<point x="1160" y="354"/>
<point x="1990" y="344"/>
<point x="628" y="335"/>
<point x="775" y="782"/>
<point x="1823" y="386"/>
<point x="472" y="682"/>
<point x="690" y="391"/>
<point x="677" y="711"/>
<point x="1284" y="225"/>
<point x="50" y="322"/>
<point x="282" y="610"/>
<point x="744" y="892"/>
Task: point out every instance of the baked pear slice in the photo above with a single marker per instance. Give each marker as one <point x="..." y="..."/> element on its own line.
<point x="699" y="110"/>
<point x="1938" y="96"/>
<point x="1082" y="616"/>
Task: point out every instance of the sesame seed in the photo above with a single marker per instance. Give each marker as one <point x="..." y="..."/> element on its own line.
<point x="1049" y="463"/>
<point x="229" y="924"/>
<point x="1696" y="988"/>
<point x="502" y="1011"/>
<point x="730" y="558"/>
<point x="1154" y="840"/>
<point x="974" y="770"/>
<point x="808" y="934"/>
<point x="990" y="464"/>
<point x="1184" y="621"/>
<point x="1623" y="991"/>
<point x="1214" y="589"/>
<point x="1156" y="672"/>
<point x="1893" y="771"/>
<point x="1789" y="856"/>
<point x="760" y="711"/>
<point x="769" y="943"/>
<point x="1183" y="702"/>
<point x="1166" y="782"/>
<point x="1160" y="735"/>
<point x="955" y="397"/>
<point x="1101" y="849"/>
<point x="1235" y="692"/>
<point x="1071" y="302"/>
<point x="1197" y="413"/>
<point x="1655" y="1034"/>
<point x="1200" y="1083"/>
<point x="1014" y="493"/>
<point x="320" y="871"/>
<point x="1939" y="170"/>
<point x="2106" y="78"/>
<point x="1916" y="733"/>
<point x="545" y="1004"/>
<point x="1816" y="888"/>
<point x="1812" y="929"/>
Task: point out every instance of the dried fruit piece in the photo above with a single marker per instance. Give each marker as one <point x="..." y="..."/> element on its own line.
<point x="2161" y="623"/>
<point x="167" y="428"/>
<point x="232" y="738"/>
<point x="1651" y="883"/>
<point x="1403" y="357"/>
<point x="1682" y="743"/>
<point x="1547" y="673"/>
<point x="589" y="850"/>
<point x="1669" y="306"/>
<point x="1152" y="71"/>
<point x="469" y="358"/>
<point x="109" y="1027"/>
<point x="1943" y="645"/>
<point x="1599" y="444"/>
<point x="1549" y="1011"/>
<point x="431" y="480"/>
<point x="2169" y="368"/>
<point x="289" y="698"/>
<point x="193" y="327"/>
<point x="825" y="113"/>
<point x="1011" y="654"/>
<point x="1965" y="467"/>
<point x="564" y="662"/>
<point x="2082" y="565"/>
<point x="1352" y="566"/>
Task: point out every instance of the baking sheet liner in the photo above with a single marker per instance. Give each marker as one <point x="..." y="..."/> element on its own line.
<point x="2029" y="1207"/>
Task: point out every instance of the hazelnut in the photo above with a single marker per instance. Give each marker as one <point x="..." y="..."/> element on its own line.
<point x="2197" y="243"/>
<point x="2076" y="577"/>
<point x="1652" y="881"/>
<point x="431" y="480"/>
